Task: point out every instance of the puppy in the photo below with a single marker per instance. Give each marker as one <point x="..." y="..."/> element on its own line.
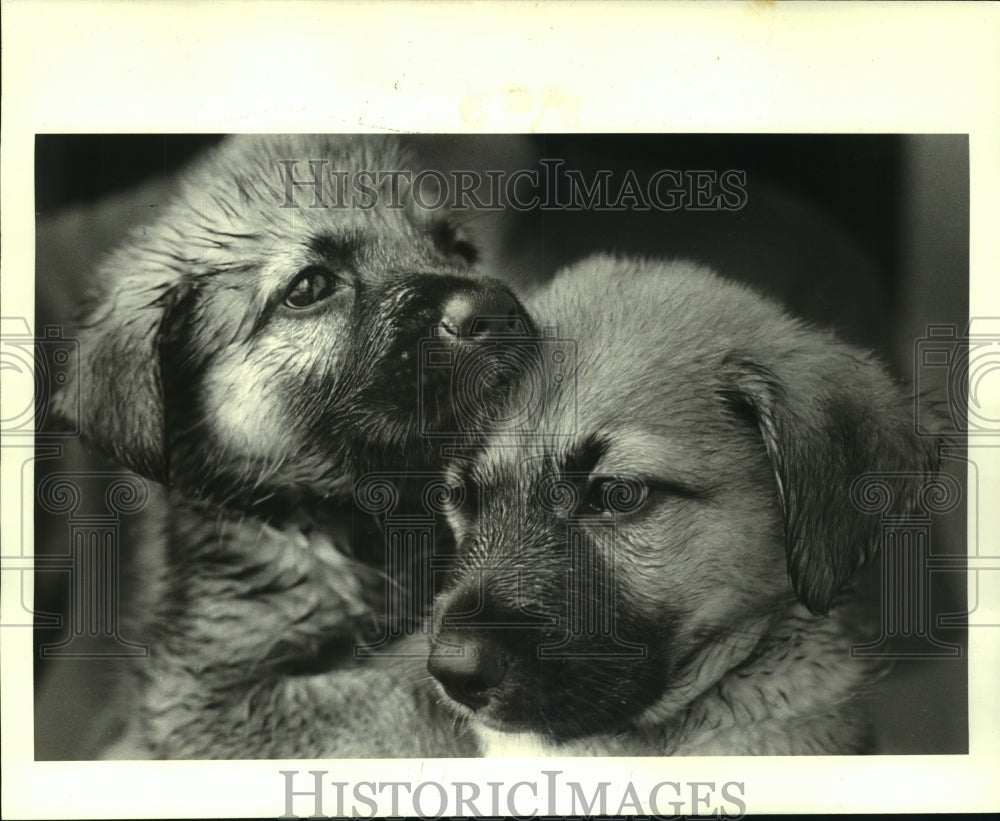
<point x="647" y="567"/>
<point x="255" y="350"/>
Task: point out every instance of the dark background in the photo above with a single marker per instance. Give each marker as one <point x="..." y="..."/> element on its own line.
<point x="812" y="202"/>
<point x="866" y="233"/>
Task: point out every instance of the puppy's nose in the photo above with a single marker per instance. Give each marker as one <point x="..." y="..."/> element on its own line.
<point x="468" y="668"/>
<point x="482" y="313"/>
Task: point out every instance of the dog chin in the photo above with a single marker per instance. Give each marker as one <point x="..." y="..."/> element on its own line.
<point x="499" y="744"/>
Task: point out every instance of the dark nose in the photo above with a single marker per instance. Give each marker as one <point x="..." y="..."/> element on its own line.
<point x="483" y="313"/>
<point x="468" y="668"/>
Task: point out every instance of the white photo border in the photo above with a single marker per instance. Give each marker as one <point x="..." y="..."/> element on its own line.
<point x="464" y="67"/>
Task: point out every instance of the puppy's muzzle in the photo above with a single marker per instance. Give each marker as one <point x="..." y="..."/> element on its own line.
<point x="469" y="670"/>
<point x="459" y="346"/>
<point x="481" y="314"/>
<point x="455" y="312"/>
<point x="483" y="648"/>
<point x="521" y="666"/>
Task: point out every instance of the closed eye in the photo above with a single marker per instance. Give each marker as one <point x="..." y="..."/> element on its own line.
<point x="456" y="248"/>
<point x="466" y="251"/>
<point x="462" y="494"/>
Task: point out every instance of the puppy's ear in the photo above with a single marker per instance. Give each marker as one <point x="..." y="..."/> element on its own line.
<point x="117" y="390"/>
<point x="828" y="414"/>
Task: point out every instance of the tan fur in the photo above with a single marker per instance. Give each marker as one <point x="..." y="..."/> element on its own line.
<point x="256" y="576"/>
<point x="755" y="427"/>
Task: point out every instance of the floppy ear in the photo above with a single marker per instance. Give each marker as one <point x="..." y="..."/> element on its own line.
<point x="117" y="390"/>
<point x="828" y="414"/>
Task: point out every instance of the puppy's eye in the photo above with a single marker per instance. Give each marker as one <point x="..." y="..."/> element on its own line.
<point x="460" y="496"/>
<point x="610" y="496"/>
<point x="312" y="285"/>
<point x="448" y="496"/>
<point x="465" y="251"/>
<point x="458" y="249"/>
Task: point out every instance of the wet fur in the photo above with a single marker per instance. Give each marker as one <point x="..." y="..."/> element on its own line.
<point x="726" y="586"/>
<point x="255" y="576"/>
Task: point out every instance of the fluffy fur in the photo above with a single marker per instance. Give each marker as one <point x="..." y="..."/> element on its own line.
<point x="658" y="568"/>
<point x="256" y="360"/>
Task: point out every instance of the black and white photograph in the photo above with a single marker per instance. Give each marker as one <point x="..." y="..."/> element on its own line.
<point x="436" y="470"/>
<point x="632" y="423"/>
